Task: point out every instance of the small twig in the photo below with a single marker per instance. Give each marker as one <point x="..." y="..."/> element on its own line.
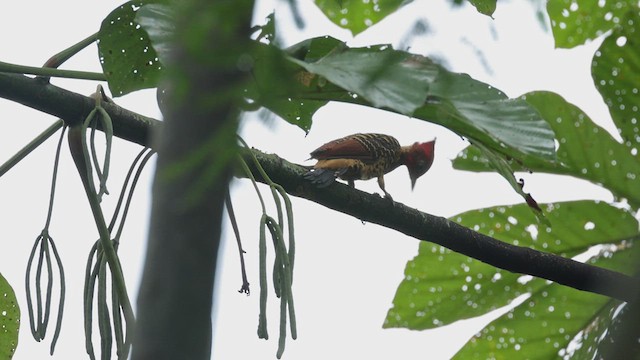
<point x="32" y="145"/>
<point x="58" y="59"/>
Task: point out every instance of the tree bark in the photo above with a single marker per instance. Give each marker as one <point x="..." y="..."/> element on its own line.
<point x="194" y="151"/>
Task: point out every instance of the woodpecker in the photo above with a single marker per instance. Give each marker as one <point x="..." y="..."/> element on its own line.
<point x="367" y="156"/>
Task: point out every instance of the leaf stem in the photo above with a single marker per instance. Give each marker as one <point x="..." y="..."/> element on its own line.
<point x="50" y="72"/>
<point x="32" y="145"/>
<point x="58" y="59"/>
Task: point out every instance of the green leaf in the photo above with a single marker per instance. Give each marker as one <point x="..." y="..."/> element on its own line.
<point x="158" y="22"/>
<point x="615" y="70"/>
<point x="537" y="329"/>
<point x="543" y="325"/>
<point x="358" y="15"/>
<point x="586" y="150"/>
<point x="268" y="30"/>
<point x="416" y="86"/>
<point x="575" y="21"/>
<point x="275" y="80"/>
<point x="9" y="320"/>
<point x="128" y="60"/>
<point x="384" y="77"/>
<point x="441" y="286"/>
<point x="486" y="7"/>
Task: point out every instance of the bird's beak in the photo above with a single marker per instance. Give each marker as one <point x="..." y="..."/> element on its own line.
<point x="413" y="182"/>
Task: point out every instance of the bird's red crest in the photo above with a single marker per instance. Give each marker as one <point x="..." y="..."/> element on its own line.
<point x="420" y="159"/>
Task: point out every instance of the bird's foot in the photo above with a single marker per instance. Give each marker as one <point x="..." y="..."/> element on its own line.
<point x="388" y="197"/>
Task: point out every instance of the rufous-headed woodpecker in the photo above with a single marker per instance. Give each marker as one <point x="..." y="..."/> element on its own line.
<point x="366" y="156"/>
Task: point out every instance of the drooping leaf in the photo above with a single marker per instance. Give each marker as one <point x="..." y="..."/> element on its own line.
<point x="502" y="166"/>
<point x="585" y="150"/>
<point x="441" y="287"/>
<point x="416" y="86"/>
<point x="9" y="320"/>
<point x="615" y="70"/>
<point x="128" y="60"/>
<point x="358" y="15"/>
<point x="543" y="326"/>
<point x="576" y="21"/>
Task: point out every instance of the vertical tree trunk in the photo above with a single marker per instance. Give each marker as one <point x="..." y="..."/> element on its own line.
<point x="193" y="170"/>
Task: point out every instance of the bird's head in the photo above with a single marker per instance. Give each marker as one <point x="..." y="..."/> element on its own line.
<point x="418" y="159"/>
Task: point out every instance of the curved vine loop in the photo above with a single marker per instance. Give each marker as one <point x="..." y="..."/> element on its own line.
<point x="44" y="246"/>
<point x="111" y="318"/>
<point x="284" y="255"/>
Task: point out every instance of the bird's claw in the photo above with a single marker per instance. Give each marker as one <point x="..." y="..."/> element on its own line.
<point x="388" y="197"/>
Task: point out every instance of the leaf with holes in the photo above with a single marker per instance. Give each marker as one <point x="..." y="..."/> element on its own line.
<point x="615" y="70"/>
<point x="574" y="22"/>
<point x="586" y="150"/>
<point x="128" y="60"/>
<point x="157" y="21"/>
<point x="544" y="325"/>
<point x="441" y="286"/>
<point x="358" y="15"/>
<point x="275" y="80"/>
<point x="9" y="320"/>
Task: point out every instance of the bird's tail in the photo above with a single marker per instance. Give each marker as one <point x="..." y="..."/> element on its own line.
<point x="323" y="177"/>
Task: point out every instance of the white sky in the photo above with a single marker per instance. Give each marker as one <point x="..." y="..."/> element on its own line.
<point x="346" y="272"/>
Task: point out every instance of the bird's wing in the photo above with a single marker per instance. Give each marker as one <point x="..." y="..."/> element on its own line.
<point x="344" y="148"/>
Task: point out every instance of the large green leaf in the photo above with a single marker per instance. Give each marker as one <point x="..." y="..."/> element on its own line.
<point x="386" y="78"/>
<point x="441" y="287"/>
<point x="358" y="15"/>
<point x="9" y="320"/>
<point x="586" y="150"/>
<point x="128" y="60"/>
<point x="544" y="324"/>
<point x="296" y="83"/>
<point x="576" y="21"/>
<point x="537" y="329"/>
<point x="616" y="69"/>
<point x="416" y="86"/>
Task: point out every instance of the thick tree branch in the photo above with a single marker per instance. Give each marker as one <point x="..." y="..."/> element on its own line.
<point x="73" y="108"/>
<point x="370" y="208"/>
<point x="439" y="230"/>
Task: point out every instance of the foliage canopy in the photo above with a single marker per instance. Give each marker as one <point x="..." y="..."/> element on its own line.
<point x="539" y="132"/>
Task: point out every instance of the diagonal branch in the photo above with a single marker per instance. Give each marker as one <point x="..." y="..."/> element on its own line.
<point x="371" y="208"/>
<point x="439" y="230"/>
